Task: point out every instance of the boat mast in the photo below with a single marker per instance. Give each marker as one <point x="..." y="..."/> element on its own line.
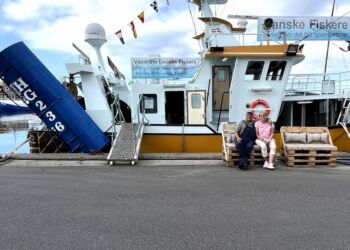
<point x="325" y="69"/>
<point x="329" y="38"/>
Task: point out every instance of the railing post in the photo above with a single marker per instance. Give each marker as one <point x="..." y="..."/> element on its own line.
<point x="222" y="98"/>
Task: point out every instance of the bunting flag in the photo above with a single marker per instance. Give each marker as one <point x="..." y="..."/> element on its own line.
<point x="132" y="26"/>
<point x="141" y="16"/>
<point x="154" y="5"/>
<point x="120" y="36"/>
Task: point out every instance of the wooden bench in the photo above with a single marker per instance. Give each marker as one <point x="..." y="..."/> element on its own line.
<point x="308" y="146"/>
<point x="229" y="152"/>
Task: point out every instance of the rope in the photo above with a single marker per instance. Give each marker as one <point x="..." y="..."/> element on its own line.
<point x="194" y="24"/>
<point x="7" y="156"/>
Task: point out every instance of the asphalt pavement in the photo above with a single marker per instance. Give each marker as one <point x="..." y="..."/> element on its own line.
<point x="90" y="205"/>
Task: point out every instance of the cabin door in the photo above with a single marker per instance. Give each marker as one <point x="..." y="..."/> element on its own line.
<point x="196" y="106"/>
<point x="221" y="87"/>
<point x="175" y="107"/>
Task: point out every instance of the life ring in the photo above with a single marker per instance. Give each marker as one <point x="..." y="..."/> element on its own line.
<point x="257" y="102"/>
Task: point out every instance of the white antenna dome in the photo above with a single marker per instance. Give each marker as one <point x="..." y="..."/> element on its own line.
<point x="95" y="35"/>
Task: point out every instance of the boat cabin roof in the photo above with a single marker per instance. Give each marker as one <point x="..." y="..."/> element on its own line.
<point x="274" y="51"/>
<point x="217" y="20"/>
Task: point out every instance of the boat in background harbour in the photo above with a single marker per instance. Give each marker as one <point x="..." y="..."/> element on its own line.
<point x="10" y="103"/>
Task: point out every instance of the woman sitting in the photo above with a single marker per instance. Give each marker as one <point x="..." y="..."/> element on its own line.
<point x="264" y="132"/>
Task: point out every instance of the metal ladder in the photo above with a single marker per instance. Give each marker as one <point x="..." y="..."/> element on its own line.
<point x="344" y="115"/>
<point x="126" y="145"/>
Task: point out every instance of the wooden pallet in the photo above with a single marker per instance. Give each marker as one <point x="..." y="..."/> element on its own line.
<point x="232" y="160"/>
<point x="310" y="158"/>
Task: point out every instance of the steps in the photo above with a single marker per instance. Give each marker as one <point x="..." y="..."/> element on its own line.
<point x="126" y="145"/>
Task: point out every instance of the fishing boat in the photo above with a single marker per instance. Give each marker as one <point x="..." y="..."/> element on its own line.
<point x="230" y="78"/>
<point x="178" y="104"/>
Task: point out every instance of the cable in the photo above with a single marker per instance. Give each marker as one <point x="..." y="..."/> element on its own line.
<point x="194" y="24"/>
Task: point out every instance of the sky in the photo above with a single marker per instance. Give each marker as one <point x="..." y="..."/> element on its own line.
<point x="50" y="27"/>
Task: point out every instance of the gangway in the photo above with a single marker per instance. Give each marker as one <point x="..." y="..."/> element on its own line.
<point x="344" y="115"/>
<point x="126" y="145"/>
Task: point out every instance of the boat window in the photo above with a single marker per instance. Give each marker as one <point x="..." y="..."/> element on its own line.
<point x="254" y="70"/>
<point x="148" y="103"/>
<point x="276" y="70"/>
<point x="220" y="75"/>
<point x="196" y="101"/>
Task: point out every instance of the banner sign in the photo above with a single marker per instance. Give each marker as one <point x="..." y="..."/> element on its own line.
<point x="159" y="67"/>
<point x="305" y="28"/>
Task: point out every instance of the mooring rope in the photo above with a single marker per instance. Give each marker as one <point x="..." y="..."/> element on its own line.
<point x="5" y="157"/>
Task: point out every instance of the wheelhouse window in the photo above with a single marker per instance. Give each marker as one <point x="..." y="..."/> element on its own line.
<point x="196" y="101"/>
<point x="148" y="103"/>
<point x="254" y="70"/>
<point x="276" y="70"/>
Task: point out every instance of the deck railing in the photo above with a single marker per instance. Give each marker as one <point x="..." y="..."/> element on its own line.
<point x="319" y="84"/>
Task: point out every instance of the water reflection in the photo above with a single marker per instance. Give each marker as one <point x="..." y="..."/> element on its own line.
<point x="13" y="131"/>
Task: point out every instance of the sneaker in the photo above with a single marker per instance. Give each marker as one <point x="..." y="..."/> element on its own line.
<point x="265" y="164"/>
<point x="270" y="166"/>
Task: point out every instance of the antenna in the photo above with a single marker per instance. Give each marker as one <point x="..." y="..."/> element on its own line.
<point x="86" y="58"/>
<point x="95" y="35"/>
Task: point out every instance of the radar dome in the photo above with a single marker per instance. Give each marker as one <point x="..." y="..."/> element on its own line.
<point x="95" y="34"/>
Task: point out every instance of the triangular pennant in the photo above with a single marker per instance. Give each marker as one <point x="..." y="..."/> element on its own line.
<point x="141" y="16"/>
<point x="154" y="5"/>
<point x="120" y="36"/>
<point x="132" y="26"/>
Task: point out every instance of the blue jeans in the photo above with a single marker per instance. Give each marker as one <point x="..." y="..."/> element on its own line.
<point x="244" y="148"/>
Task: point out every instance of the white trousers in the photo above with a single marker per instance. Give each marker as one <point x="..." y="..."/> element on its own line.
<point x="264" y="145"/>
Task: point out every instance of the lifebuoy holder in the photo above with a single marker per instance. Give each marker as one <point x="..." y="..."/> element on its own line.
<point x="257" y="102"/>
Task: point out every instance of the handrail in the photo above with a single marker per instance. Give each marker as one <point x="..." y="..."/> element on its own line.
<point x="140" y="121"/>
<point x="244" y="35"/>
<point x="222" y="98"/>
<point x="314" y="83"/>
<point x="208" y="91"/>
<point x="116" y="111"/>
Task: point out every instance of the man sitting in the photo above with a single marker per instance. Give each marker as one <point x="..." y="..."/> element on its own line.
<point x="245" y="134"/>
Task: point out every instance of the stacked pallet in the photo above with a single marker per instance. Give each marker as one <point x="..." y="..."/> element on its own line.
<point x="300" y="148"/>
<point x="312" y="158"/>
<point x="232" y="159"/>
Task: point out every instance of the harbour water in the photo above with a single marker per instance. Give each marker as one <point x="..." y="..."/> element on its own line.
<point x="14" y="130"/>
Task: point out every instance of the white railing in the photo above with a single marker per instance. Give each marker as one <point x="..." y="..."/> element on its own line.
<point x="244" y="39"/>
<point x="319" y="84"/>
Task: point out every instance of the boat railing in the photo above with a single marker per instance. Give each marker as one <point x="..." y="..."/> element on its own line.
<point x="117" y="115"/>
<point x="247" y="38"/>
<point x="319" y="84"/>
<point x="222" y="101"/>
<point x="141" y="118"/>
